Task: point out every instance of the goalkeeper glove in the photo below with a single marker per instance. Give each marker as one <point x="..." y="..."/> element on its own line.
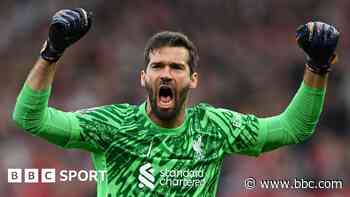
<point x="319" y="41"/>
<point x="67" y="26"/>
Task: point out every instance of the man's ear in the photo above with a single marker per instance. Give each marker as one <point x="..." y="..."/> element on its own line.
<point x="194" y="80"/>
<point x="142" y="78"/>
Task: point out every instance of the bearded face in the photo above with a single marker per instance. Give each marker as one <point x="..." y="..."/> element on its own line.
<point x="168" y="81"/>
<point x="166" y="100"/>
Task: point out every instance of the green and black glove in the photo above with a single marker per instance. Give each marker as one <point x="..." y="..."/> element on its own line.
<point x="67" y="26"/>
<point x="319" y="41"/>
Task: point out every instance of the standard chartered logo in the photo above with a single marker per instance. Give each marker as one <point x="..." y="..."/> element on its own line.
<point x="181" y="177"/>
<point x="172" y="178"/>
<point x="146" y="177"/>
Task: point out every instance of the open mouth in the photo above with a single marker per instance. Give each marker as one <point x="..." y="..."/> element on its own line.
<point x="165" y="97"/>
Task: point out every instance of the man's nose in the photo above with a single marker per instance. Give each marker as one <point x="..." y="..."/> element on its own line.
<point x="165" y="80"/>
<point x="166" y="74"/>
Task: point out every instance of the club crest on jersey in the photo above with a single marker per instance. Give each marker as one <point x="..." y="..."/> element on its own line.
<point x="197" y="147"/>
<point x="236" y="122"/>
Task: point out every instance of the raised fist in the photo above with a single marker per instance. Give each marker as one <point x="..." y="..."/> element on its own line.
<point x="67" y="26"/>
<point x="319" y="41"/>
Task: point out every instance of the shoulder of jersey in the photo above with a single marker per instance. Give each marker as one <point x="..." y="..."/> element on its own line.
<point x="207" y="108"/>
<point x="204" y="110"/>
<point x="121" y="108"/>
<point x="218" y="115"/>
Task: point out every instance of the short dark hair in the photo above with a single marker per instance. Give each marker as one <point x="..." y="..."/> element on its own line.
<point x="172" y="39"/>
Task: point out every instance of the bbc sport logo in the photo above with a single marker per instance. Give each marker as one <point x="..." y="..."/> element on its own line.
<point x="50" y="175"/>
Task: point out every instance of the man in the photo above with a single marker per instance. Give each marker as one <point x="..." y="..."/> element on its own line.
<point x="162" y="147"/>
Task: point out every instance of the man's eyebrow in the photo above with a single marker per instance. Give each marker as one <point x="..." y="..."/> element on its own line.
<point x="170" y="63"/>
<point x="157" y="63"/>
<point x="177" y="64"/>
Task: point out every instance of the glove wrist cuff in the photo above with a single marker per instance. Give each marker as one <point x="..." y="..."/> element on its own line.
<point x="320" y="70"/>
<point x="49" y="53"/>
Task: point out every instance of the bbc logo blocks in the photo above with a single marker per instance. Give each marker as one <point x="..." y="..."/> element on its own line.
<point x="31" y="175"/>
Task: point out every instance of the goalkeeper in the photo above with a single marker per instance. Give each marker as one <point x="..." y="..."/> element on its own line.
<point x="162" y="147"/>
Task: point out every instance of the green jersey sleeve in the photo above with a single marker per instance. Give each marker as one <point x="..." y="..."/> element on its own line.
<point x="297" y="122"/>
<point x="33" y="114"/>
<point x="247" y="134"/>
<point x="84" y="129"/>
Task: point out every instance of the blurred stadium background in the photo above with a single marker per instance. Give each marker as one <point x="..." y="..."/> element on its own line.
<point x="249" y="63"/>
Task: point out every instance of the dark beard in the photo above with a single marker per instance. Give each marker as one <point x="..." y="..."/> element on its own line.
<point x="169" y="114"/>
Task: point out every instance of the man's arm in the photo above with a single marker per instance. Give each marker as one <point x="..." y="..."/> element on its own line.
<point x="67" y="26"/>
<point x="314" y="80"/>
<point x="31" y="111"/>
<point x="42" y="74"/>
<point x="298" y="121"/>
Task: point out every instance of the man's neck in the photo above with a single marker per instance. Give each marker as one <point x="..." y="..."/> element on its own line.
<point x="173" y="123"/>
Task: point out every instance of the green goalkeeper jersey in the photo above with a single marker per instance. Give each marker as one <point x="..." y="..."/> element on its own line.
<point x="143" y="159"/>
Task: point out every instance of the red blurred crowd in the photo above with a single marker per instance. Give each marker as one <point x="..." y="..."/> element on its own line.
<point x="249" y="62"/>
